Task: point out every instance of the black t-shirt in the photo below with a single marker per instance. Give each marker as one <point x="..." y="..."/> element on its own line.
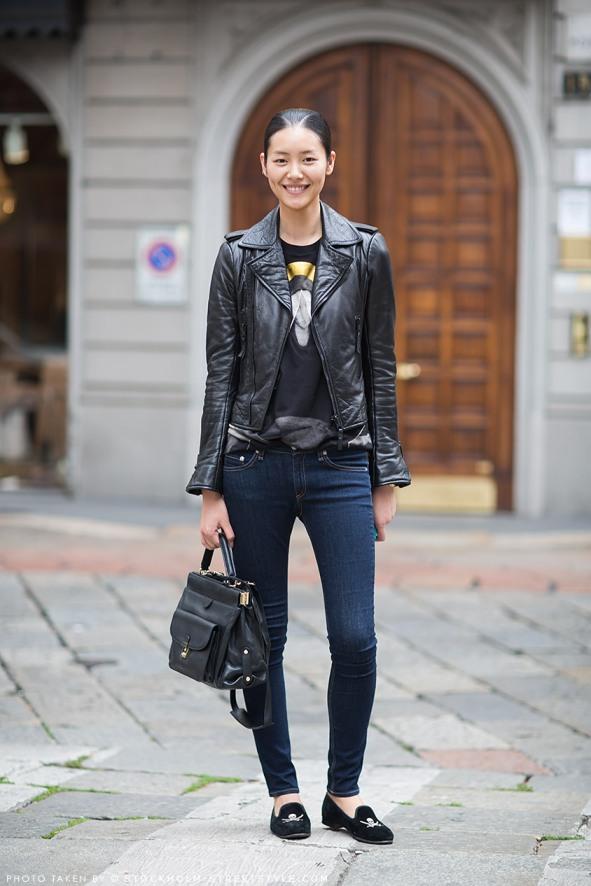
<point x="300" y="410"/>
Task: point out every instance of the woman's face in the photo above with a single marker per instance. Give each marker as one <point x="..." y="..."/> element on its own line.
<point x="296" y="166"/>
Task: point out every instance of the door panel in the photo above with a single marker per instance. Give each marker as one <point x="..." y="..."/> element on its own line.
<point x="334" y="83"/>
<point x="421" y="153"/>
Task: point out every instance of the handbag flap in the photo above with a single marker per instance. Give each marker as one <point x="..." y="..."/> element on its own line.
<point x="214" y="588"/>
<point x="186" y="627"/>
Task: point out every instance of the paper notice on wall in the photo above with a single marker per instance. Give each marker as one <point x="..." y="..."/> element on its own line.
<point x="583" y="166"/>
<point x="161" y="264"/>
<point x="574" y="212"/>
<point x="578" y="36"/>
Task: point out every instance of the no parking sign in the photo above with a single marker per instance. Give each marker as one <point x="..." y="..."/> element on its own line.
<point x="161" y="264"/>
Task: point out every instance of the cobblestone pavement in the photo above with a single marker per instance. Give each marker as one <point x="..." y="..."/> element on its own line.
<point x="115" y="769"/>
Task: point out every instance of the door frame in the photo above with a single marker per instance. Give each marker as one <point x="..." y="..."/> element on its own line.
<point x="258" y="63"/>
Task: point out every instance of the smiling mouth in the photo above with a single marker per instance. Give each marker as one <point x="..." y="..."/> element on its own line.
<point x="295" y="189"/>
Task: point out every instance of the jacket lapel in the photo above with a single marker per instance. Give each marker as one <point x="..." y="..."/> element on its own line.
<point x="332" y="263"/>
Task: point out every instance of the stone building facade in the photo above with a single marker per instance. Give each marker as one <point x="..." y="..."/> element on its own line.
<point x="151" y="99"/>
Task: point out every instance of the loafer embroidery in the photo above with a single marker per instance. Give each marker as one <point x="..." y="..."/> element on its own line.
<point x="371" y="823"/>
<point x="293" y="817"/>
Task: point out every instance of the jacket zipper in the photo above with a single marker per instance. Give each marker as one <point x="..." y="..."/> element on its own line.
<point x="336" y="417"/>
<point x="242" y="333"/>
<point x="357" y="332"/>
<point x="253" y="358"/>
<point x="242" y="315"/>
<point x="275" y="374"/>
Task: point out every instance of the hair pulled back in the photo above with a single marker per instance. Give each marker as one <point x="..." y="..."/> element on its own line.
<point x="312" y="120"/>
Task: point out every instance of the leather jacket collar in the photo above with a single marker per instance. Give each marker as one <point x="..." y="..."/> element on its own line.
<point x="336" y="229"/>
<point x="333" y="263"/>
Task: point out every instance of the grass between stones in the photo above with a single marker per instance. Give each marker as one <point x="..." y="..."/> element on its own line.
<point x="74" y="821"/>
<point x="559" y="837"/>
<point x="45" y="726"/>
<point x="69" y="824"/>
<point x="522" y="788"/>
<point x="76" y="763"/>
<point x="59" y="789"/>
<point x="203" y="780"/>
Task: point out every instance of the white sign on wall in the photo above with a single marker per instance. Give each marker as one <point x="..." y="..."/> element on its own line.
<point x="578" y="36"/>
<point x="583" y="166"/>
<point x="574" y="212"/>
<point x="161" y="264"/>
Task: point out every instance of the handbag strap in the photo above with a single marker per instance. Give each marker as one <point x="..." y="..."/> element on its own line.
<point x="226" y="554"/>
<point x="244" y="717"/>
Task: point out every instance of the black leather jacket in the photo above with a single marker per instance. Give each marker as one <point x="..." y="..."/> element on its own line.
<point x="353" y="315"/>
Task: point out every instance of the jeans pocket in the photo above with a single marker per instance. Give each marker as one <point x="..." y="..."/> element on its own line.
<point x="346" y="460"/>
<point x="240" y="459"/>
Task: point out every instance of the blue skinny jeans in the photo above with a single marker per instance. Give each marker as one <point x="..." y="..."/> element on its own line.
<point x="329" y="490"/>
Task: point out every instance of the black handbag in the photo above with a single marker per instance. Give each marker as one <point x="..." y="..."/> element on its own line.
<point x="220" y="635"/>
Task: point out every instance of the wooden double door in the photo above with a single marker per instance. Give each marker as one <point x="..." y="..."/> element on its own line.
<point x="422" y="154"/>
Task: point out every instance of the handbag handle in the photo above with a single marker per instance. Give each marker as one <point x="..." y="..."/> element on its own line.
<point x="226" y="554"/>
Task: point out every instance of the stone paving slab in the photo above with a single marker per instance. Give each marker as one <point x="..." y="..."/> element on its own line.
<point x="570" y="865"/>
<point x="15" y="795"/>
<point x="493" y="798"/>
<point x="21" y="759"/>
<point x="484" y="758"/>
<point x="127" y="830"/>
<point x="553" y="616"/>
<point x="485" y="613"/>
<point x="442" y="732"/>
<point x="419" y="867"/>
<point x="577" y="782"/>
<point x="59" y="860"/>
<point x="47" y="775"/>
<point x="473" y="842"/>
<point x="37" y="824"/>
<point x="554" y="695"/>
<point x="155" y="783"/>
<point x="77" y="804"/>
<point x="478" y="779"/>
<point x="19" y="722"/>
<point x="536" y="823"/>
<point x="487" y="706"/>
<point x="192" y="757"/>
<point x="461" y="659"/>
<point x="235" y="840"/>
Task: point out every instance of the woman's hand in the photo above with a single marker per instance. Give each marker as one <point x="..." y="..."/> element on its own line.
<point x="214" y="516"/>
<point x="384" y="508"/>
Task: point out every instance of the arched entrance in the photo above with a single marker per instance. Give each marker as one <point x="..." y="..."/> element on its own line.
<point x="33" y="289"/>
<point x="423" y="154"/>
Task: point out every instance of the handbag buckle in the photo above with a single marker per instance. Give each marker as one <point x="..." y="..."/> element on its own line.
<point x="185" y="650"/>
<point x="244" y="598"/>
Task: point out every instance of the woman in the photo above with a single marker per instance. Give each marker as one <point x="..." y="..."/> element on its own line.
<point x="300" y="420"/>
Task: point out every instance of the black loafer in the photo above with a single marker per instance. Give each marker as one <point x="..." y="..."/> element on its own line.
<point x="292" y="822"/>
<point x="364" y="826"/>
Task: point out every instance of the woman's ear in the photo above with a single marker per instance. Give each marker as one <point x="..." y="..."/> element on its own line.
<point x="330" y="163"/>
<point x="263" y="164"/>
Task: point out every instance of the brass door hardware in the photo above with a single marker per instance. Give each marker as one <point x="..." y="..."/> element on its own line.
<point x="408" y="370"/>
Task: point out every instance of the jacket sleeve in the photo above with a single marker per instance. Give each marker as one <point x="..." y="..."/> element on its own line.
<point x="387" y="464"/>
<point x="220" y="384"/>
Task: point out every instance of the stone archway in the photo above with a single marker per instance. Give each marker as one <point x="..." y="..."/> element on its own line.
<point x="422" y="154"/>
<point x="261" y="62"/>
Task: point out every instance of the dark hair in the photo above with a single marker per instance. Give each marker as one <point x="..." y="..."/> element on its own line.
<point x="312" y="120"/>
